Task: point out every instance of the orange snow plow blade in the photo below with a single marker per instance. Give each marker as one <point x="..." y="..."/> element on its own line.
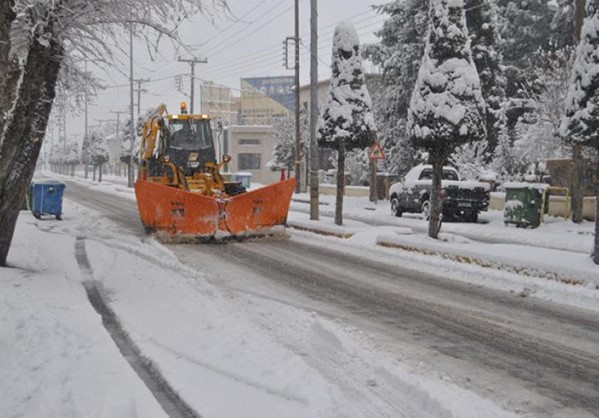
<point x="178" y="212"/>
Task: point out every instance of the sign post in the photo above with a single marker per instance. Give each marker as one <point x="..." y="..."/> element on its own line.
<point x="376" y="153"/>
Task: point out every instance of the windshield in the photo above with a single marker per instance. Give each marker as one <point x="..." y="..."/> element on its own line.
<point x="190" y="134"/>
<point x="427" y="174"/>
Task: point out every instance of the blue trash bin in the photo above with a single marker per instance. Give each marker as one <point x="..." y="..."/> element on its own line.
<point x="45" y="198"/>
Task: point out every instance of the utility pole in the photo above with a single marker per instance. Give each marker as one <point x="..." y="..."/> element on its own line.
<point x="577" y="172"/>
<point x="298" y="139"/>
<point x="139" y="91"/>
<point x="131" y="104"/>
<point x="314" y="215"/>
<point x="193" y="62"/>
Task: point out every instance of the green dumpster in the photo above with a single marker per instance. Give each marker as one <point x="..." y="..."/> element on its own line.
<point x="525" y="204"/>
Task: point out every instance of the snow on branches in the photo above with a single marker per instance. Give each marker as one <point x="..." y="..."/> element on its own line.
<point x="581" y="123"/>
<point x="447" y="108"/>
<point x="347" y="115"/>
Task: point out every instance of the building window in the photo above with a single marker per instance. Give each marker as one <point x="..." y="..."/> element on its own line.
<point x="248" y="142"/>
<point x="249" y="161"/>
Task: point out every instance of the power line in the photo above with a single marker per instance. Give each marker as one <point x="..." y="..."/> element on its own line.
<point x="238" y="21"/>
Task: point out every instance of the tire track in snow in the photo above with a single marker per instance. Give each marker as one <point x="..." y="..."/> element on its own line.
<point x="167" y="397"/>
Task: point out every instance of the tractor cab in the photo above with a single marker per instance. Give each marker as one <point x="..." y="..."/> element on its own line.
<point x="189" y="142"/>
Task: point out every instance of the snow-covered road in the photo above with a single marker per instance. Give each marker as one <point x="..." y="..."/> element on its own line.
<point x="526" y="355"/>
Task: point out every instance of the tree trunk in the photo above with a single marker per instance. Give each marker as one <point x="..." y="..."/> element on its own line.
<point x="434" y="223"/>
<point x="24" y="130"/>
<point x="73" y="170"/>
<point x="86" y="175"/>
<point x="94" y="171"/>
<point x="372" y="189"/>
<point x="9" y="71"/>
<point x="340" y="183"/>
<point x="100" y="173"/>
<point x="596" y="246"/>
<point x="576" y="184"/>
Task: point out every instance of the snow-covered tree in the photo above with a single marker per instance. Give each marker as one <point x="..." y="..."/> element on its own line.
<point x="581" y="122"/>
<point x="447" y="108"/>
<point x="537" y="131"/>
<point x="284" y="134"/>
<point x="399" y="53"/>
<point x="98" y="153"/>
<point x="72" y="157"/>
<point x="346" y="120"/>
<point x="470" y="159"/>
<point x="126" y="151"/>
<point x="357" y="165"/>
<point x="36" y="38"/>
<point x="504" y="160"/>
<point x="85" y="154"/>
<point x="481" y="19"/>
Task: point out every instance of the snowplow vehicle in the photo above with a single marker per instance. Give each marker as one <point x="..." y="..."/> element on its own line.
<point x="181" y="191"/>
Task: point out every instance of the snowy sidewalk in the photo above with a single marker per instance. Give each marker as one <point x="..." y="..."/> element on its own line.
<point x="56" y="358"/>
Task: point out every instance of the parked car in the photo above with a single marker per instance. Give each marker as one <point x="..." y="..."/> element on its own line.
<point x="462" y="200"/>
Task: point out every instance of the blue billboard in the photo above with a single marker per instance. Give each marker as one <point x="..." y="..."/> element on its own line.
<point x="280" y="89"/>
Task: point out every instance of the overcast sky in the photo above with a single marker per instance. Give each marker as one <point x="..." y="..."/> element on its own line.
<point x="249" y="44"/>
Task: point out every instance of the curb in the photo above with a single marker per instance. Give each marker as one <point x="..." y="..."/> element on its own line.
<point x="463" y="259"/>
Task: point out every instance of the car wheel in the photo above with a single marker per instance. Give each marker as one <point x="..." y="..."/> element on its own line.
<point x="426" y="209"/>
<point x="395" y="208"/>
<point x="473" y="217"/>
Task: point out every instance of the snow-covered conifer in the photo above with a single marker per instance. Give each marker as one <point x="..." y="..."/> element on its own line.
<point x="504" y="160"/>
<point x="481" y="19"/>
<point x="346" y="120"/>
<point x="346" y="116"/>
<point x="398" y="53"/>
<point x="581" y="122"/>
<point x="447" y="108"/>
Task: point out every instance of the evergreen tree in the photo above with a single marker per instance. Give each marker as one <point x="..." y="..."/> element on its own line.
<point x="85" y="154"/>
<point x="346" y="118"/>
<point x="399" y="53"/>
<point x="581" y="122"/>
<point x="504" y="159"/>
<point x="447" y="108"/>
<point x="284" y="134"/>
<point x="481" y="19"/>
<point x="72" y="158"/>
<point x="98" y="153"/>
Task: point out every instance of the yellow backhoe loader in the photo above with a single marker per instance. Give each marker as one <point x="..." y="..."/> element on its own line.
<point x="181" y="191"/>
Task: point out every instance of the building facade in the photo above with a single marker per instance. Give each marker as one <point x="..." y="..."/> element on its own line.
<point x="251" y="148"/>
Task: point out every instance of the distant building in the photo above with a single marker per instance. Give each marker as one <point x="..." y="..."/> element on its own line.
<point x="218" y="102"/>
<point x="251" y="142"/>
<point x="251" y="147"/>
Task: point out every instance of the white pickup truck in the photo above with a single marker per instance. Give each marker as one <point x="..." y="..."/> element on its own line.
<point x="462" y="200"/>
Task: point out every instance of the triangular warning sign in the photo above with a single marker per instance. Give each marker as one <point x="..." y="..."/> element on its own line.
<point x="376" y="152"/>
